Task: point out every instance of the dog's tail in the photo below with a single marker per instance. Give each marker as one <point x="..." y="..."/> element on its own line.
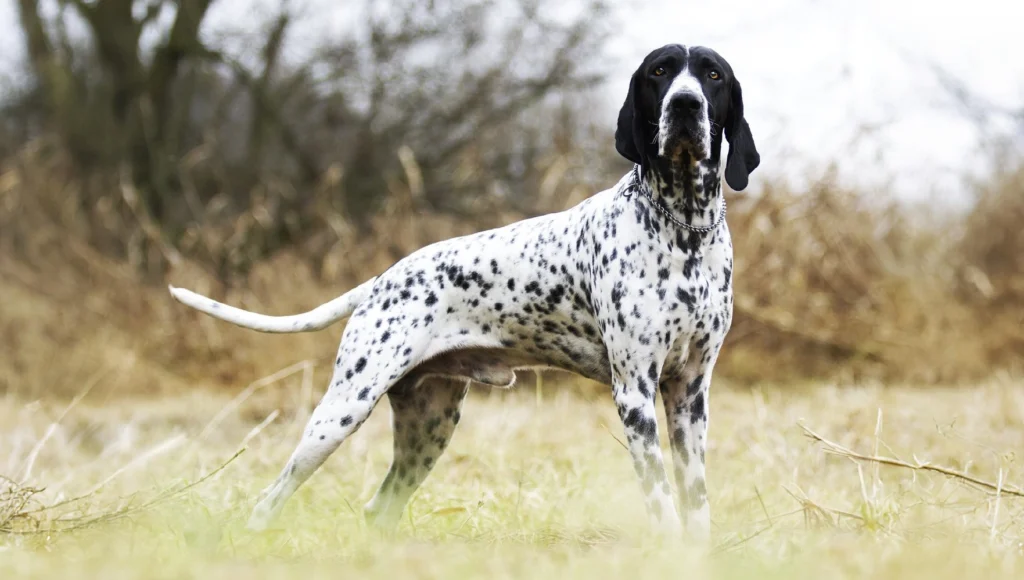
<point x="320" y="317"/>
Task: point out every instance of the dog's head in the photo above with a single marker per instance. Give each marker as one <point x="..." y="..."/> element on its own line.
<point x="679" y="102"/>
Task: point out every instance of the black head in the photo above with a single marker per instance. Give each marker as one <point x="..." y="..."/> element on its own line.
<point x="680" y="102"/>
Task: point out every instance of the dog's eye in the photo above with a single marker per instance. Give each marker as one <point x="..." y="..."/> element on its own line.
<point x="660" y="71"/>
<point x="713" y="75"/>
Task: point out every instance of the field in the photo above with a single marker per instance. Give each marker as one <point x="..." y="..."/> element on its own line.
<point x="530" y="487"/>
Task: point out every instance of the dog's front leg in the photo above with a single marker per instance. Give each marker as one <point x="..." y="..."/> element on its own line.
<point x="685" y="397"/>
<point x="634" y="392"/>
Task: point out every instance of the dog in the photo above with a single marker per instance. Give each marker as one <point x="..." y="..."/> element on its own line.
<point x="631" y="288"/>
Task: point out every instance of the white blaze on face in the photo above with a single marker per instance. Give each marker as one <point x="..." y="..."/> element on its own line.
<point x="685" y="82"/>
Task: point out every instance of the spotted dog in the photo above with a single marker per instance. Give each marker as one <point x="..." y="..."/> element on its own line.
<point x="632" y="288"/>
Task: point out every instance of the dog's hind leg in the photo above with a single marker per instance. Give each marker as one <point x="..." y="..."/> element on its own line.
<point x="354" y="391"/>
<point x="423" y="419"/>
<point x="335" y="418"/>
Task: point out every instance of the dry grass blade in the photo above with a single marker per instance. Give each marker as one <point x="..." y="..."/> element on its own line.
<point x="304" y="366"/>
<point x="617" y="440"/>
<point x="995" y="510"/>
<point x="815" y="514"/>
<point x="729" y="546"/>
<point x="259" y="428"/>
<point x="30" y="461"/>
<point x="837" y="449"/>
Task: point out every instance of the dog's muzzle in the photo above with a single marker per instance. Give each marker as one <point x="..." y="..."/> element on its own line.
<point x="685" y="127"/>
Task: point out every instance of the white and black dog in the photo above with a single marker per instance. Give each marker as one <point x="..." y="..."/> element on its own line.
<point x="632" y="288"/>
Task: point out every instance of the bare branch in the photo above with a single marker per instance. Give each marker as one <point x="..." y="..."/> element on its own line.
<point x="837" y="449"/>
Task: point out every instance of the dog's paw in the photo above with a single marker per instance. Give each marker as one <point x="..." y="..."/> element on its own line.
<point x="258" y="522"/>
<point x="261" y="518"/>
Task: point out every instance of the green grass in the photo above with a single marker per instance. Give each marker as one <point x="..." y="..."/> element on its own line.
<point x="524" y="491"/>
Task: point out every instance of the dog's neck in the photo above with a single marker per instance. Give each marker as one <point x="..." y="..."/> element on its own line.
<point x="688" y="191"/>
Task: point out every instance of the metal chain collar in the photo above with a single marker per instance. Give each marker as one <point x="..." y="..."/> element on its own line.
<point x="639" y="185"/>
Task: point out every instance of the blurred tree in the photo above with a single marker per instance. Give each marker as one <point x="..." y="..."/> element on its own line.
<point x="471" y="90"/>
<point x="451" y="81"/>
<point x="133" y="107"/>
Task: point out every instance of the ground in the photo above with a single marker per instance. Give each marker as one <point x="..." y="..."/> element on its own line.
<point x="530" y="488"/>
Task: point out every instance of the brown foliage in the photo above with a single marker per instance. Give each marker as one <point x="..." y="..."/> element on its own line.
<point x="830" y="283"/>
<point x="991" y="266"/>
<point x="838" y="283"/>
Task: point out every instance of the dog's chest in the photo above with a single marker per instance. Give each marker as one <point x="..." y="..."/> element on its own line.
<point x="668" y="296"/>
<point x="697" y="298"/>
<point x="674" y="276"/>
<point x="708" y="287"/>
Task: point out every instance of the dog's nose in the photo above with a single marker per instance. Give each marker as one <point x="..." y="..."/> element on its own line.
<point x="686" y="102"/>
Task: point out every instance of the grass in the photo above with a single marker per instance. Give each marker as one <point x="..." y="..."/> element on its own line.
<point x="524" y="490"/>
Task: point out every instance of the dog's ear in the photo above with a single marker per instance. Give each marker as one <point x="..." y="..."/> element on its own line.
<point x="628" y="133"/>
<point x="743" y="157"/>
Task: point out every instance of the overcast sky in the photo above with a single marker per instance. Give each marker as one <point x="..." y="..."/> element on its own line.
<point x="824" y="80"/>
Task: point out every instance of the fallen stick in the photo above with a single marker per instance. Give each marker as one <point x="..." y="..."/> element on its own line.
<point x="837" y="449"/>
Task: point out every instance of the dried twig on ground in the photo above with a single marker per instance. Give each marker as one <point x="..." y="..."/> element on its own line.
<point x="837" y="449"/>
<point x="34" y="523"/>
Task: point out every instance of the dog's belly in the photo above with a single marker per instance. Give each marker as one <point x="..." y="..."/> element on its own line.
<point x="497" y="366"/>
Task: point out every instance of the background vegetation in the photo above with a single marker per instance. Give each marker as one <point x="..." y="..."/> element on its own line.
<point x="139" y="154"/>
